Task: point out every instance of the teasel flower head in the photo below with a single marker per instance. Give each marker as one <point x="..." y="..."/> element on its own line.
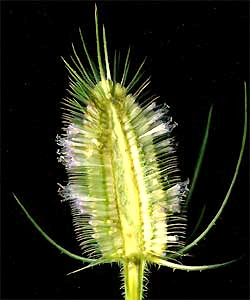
<point x="127" y="199"/>
<point x="118" y="148"/>
<point x="124" y="185"/>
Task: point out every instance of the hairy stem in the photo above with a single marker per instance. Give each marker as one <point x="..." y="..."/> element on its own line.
<point x="133" y="276"/>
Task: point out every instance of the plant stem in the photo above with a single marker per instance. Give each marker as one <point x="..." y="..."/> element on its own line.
<point x="133" y="277"/>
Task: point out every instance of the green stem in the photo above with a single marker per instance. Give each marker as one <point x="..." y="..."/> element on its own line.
<point x="133" y="277"/>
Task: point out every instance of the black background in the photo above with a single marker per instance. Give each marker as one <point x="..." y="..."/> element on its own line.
<point x="197" y="55"/>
